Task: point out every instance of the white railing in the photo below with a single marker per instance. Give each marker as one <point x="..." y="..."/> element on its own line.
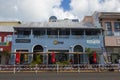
<point x="61" y="68"/>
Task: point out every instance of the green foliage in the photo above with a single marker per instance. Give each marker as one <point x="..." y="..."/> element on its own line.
<point x="38" y="60"/>
<point x="89" y="52"/>
<point x="63" y="62"/>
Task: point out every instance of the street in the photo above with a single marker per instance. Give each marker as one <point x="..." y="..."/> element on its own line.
<point x="59" y="76"/>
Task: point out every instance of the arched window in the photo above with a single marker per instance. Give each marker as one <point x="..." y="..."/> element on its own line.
<point x="38" y="48"/>
<point x="78" y="48"/>
<point x="78" y="58"/>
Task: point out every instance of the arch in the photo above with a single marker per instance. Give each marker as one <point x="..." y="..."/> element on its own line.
<point x="78" y="58"/>
<point x="53" y="19"/>
<point x="78" y="48"/>
<point x="38" y="48"/>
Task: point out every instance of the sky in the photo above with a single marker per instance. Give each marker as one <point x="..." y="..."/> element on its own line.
<point x="41" y="10"/>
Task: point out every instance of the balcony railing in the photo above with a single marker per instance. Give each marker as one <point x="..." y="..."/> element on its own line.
<point x="23" y="36"/>
<point x="59" y="36"/>
<point x="77" y="36"/>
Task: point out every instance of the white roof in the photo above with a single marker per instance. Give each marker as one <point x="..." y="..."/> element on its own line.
<point x="56" y="25"/>
<point x="6" y="29"/>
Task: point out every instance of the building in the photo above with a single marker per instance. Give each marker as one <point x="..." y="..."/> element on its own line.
<point x="5" y="38"/>
<point x="9" y="23"/>
<point x="110" y="22"/>
<point x="6" y="32"/>
<point x="63" y="37"/>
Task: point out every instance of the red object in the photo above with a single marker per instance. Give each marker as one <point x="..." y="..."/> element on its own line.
<point x="17" y="60"/>
<point x="5" y="47"/>
<point x="53" y="57"/>
<point x="94" y="57"/>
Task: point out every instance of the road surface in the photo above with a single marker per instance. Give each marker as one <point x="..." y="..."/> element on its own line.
<point x="59" y="76"/>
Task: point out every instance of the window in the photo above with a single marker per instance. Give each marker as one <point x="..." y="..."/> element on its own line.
<point x="108" y="26"/>
<point x="117" y="25"/>
<point x="117" y="28"/>
<point x="77" y="32"/>
<point x="108" y="29"/>
<point x="64" y="32"/>
<point x="39" y="32"/>
<point x="52" y="31"/>
<point x="22" y="34"/>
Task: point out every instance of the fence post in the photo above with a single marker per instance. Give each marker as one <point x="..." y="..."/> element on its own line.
<point x="14" y="69"/>
<point x="57" y="68"/>
<point x="36" y="72"/>
<point x="36" y="68"/>
<point x="78" y="68"/>
<point x="99" y="67"/>
<point x="119" y="67"/>
<point x="0" y="68"/>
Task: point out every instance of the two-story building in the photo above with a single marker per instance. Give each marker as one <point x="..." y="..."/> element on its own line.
<point x="63" y="37"/>
<point x="6" y="32"/>
<point x="110" y="22"/>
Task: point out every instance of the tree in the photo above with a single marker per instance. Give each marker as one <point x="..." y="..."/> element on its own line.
<point x="38" y="60"/>
<point x="5" y="56"/>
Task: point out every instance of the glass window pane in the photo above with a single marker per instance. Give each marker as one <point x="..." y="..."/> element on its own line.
<point x="108" y="26"/>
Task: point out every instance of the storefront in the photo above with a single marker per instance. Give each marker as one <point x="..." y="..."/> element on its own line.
<point x="65" y="39"/>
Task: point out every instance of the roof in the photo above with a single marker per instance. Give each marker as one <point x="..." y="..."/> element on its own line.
<point x="6" y="29"/>
<point x="59" y="24"/>
<point x="110" y="15"/>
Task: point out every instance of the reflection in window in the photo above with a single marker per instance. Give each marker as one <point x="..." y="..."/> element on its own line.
<point x="117" y="25"/>
<point x="108" y="28"/>
<point x="52" y="32"/>
<point x="22" y="34"/>
<point x="38" y="33"/>
<point x="64" y="32"/>
<point x="77" y="32"/>
<point x="117" y="28"/>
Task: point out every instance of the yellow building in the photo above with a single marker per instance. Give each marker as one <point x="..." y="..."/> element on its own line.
<point x="9" y="23"/>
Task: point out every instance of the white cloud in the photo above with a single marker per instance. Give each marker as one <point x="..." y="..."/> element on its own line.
<point x="61" y="14"/>
<point x="81" y="8"/>
<point x="41" y="10"/>
<point x="37" y="9"/>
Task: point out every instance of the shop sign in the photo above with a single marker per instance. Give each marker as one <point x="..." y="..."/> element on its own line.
<point x="4" y="43"/>
<point x="93" y="41"/>
<point x="23" y="40"/>
<point x="55" y="42"/>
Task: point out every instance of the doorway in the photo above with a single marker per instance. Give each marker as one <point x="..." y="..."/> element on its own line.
<point x="36" y="54"/>
<point x="78" y="58"/>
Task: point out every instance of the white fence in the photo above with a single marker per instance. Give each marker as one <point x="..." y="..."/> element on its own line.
<point x="63" y="68"/>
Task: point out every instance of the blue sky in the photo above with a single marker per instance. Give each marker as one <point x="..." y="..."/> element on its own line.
<point x="65" y="5"/>
<point x="41" y="10"/>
